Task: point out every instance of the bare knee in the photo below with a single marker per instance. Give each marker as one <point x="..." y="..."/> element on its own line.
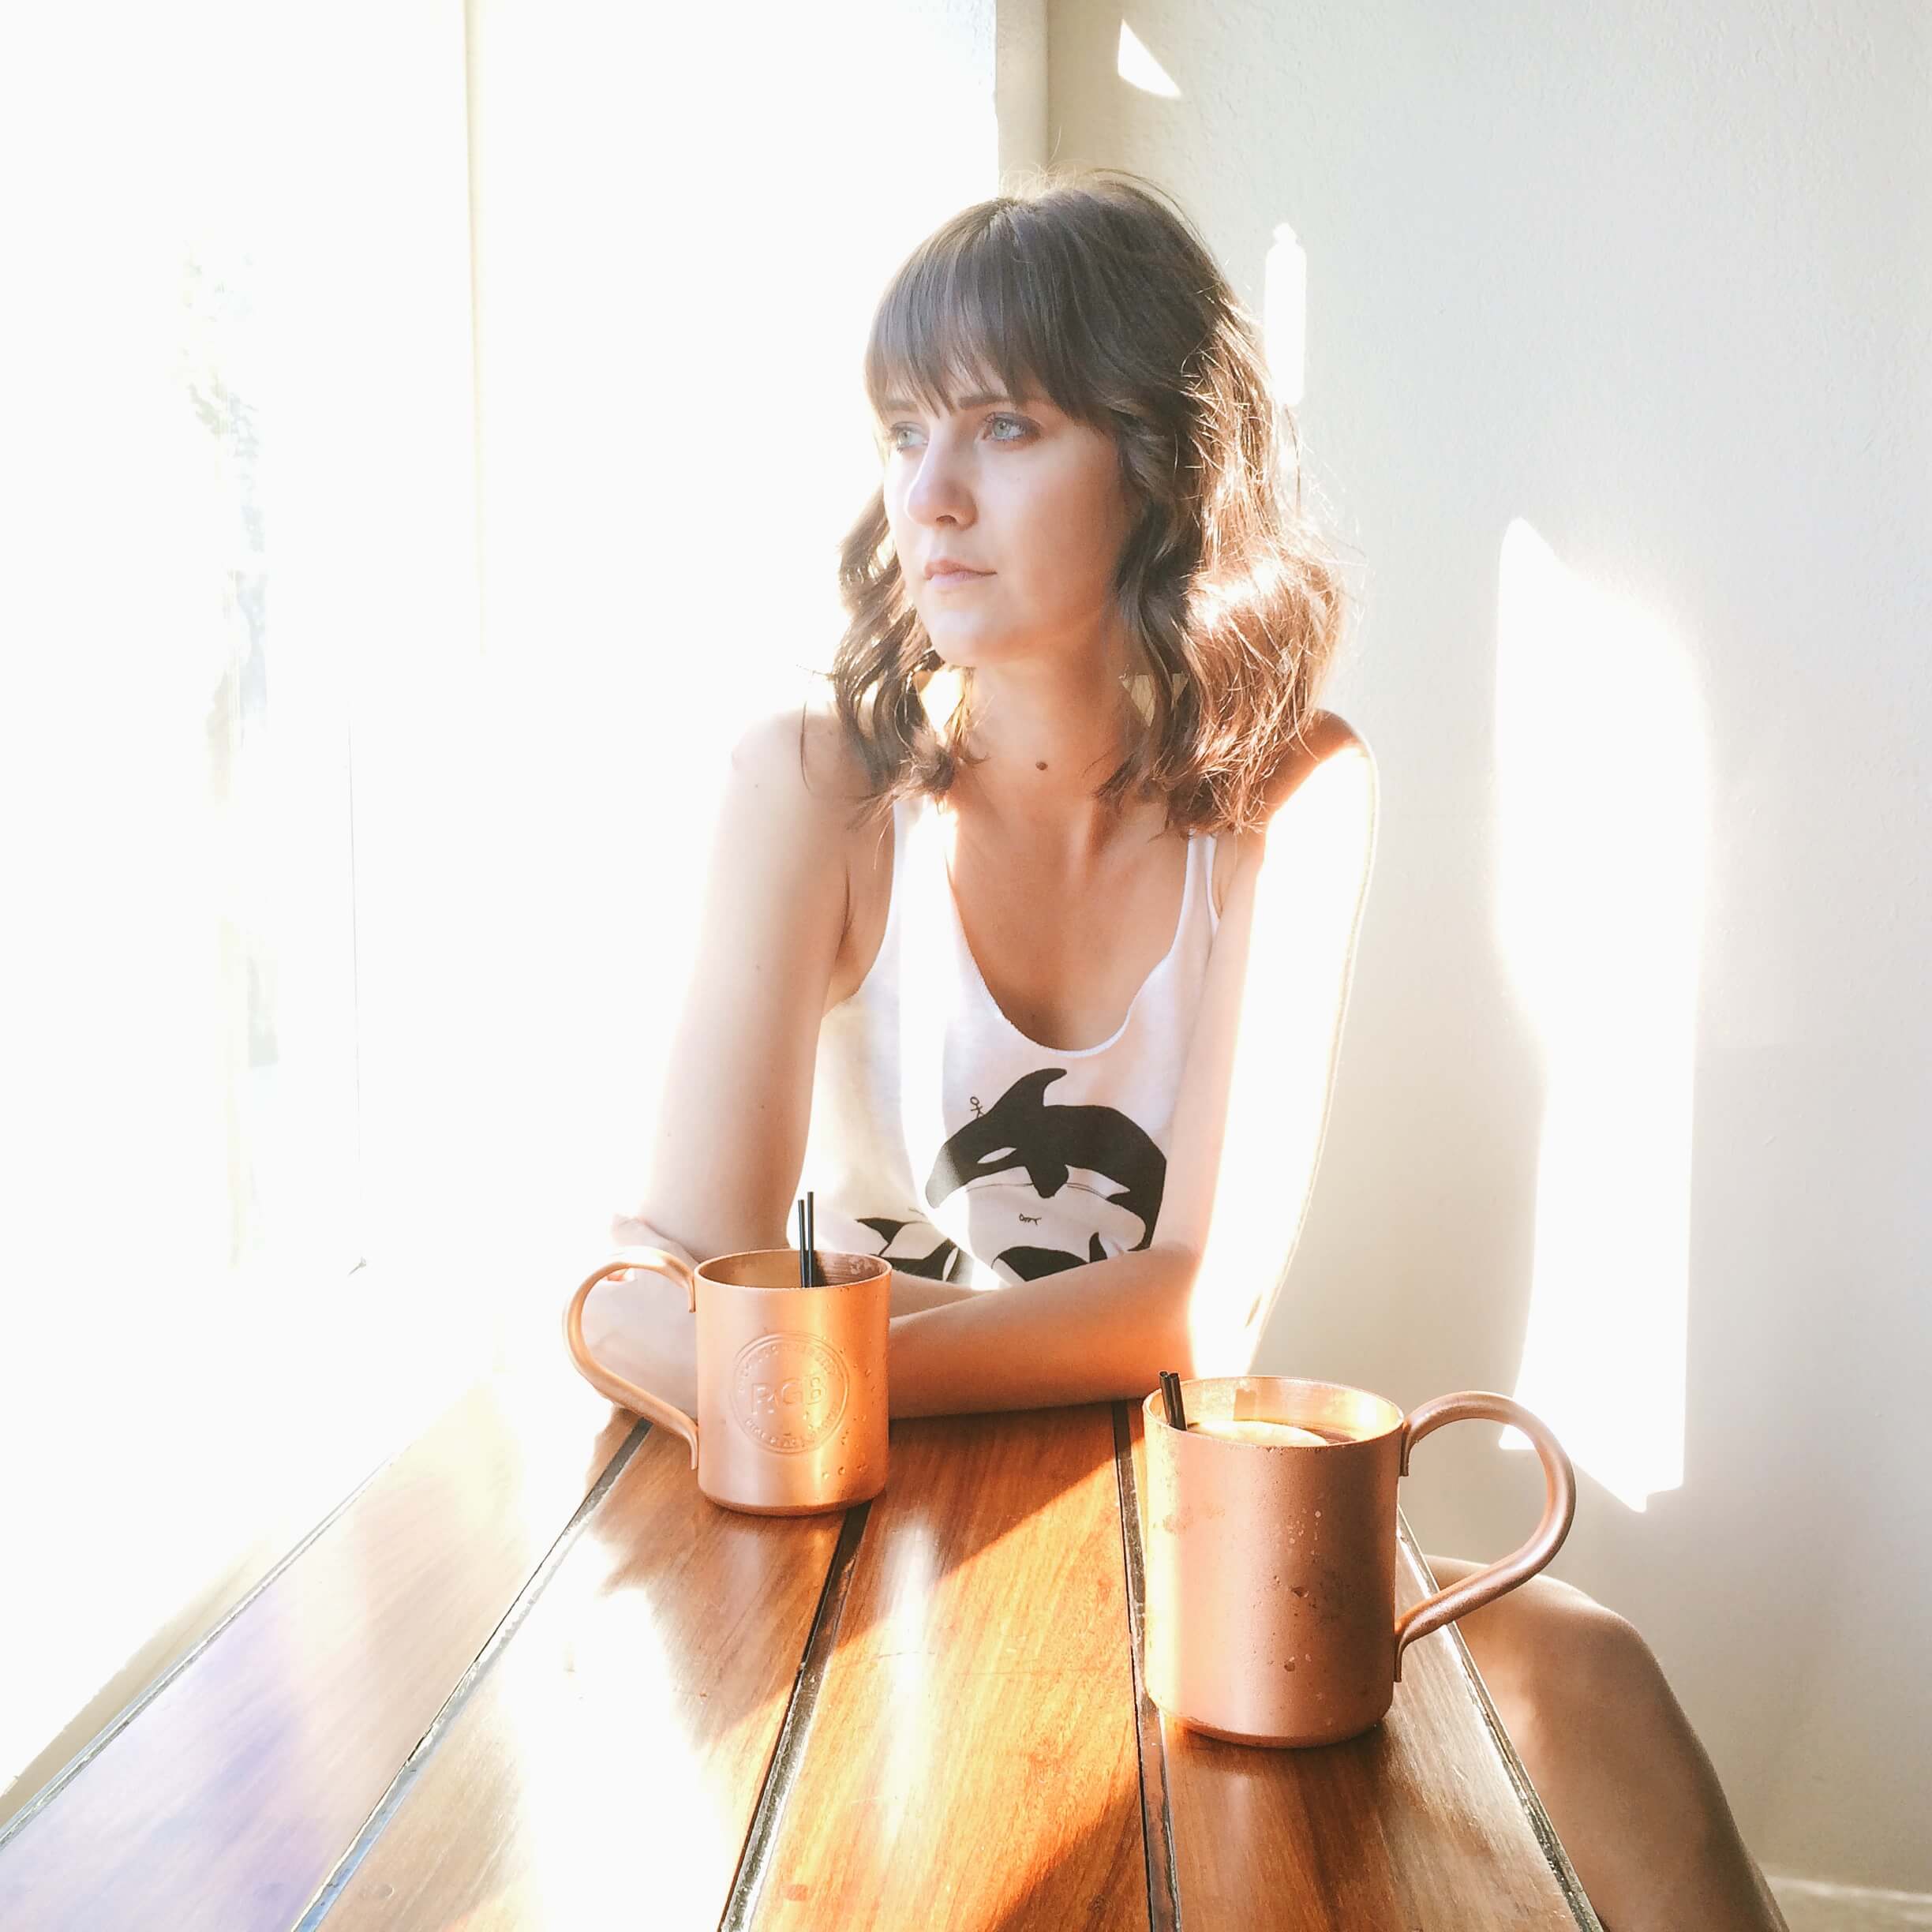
<point x="1550" y="1653"/>
<point x="1628" y="1786"/>
<point x="1583" y="1661"/>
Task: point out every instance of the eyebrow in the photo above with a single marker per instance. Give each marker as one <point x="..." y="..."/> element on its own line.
<point x="978" y="400"/>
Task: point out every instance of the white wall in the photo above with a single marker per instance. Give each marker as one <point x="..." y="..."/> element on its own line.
<point x="1618" y="376"/>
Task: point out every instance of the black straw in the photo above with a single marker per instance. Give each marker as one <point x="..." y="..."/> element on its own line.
<point x="1170" y="1394"/>
<point x="810" y="1273"/>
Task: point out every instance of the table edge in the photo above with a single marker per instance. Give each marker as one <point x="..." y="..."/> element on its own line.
<point x="1157" y="1833"/>
<point x="1563" y="1872"/>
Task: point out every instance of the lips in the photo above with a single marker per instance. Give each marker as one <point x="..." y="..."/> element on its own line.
<point x="945" y="566"/>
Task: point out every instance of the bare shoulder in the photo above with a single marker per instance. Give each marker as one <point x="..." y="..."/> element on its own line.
<point x="1328" y="744"/>
<point x="801" y="752"/>
<point x="805" y="776"/>
<point x="791" y="803"/>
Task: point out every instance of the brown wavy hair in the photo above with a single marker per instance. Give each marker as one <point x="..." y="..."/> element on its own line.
<point x="1092" y="287"/>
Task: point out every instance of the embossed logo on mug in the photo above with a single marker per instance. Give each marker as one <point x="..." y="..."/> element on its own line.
<point x="788" y="1392"/>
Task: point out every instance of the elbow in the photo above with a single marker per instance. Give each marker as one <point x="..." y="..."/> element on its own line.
<point x="1176" y="1338"/>
<point x="630" y="1230"/>
<point x="1201" y="1333"/>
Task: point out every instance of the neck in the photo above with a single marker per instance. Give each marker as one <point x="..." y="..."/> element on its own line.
<point x="1045" y="742"/>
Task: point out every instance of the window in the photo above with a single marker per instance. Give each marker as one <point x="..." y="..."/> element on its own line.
<point x="240" y="512"/>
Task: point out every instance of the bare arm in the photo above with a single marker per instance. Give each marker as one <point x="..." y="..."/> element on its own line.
<point x="910" y="1292"/>
<point x="1094" y="1333"/>
<point x="727" y="1140"/>
<point x="728" y="1137"/>
<point x="637" y="1324"/>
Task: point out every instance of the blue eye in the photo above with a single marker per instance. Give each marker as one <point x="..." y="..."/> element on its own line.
<point x="1017" y="423"/>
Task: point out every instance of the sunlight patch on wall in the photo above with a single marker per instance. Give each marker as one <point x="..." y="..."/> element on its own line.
<point x="1601" y="817"/>
<point x="1139" y="68"/>
<point x="1284" y="314"/>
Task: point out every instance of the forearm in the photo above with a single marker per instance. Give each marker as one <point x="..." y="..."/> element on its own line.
<point x="913" y="1294"/>
<point x="910" y="1292"/>
<point x="1092" y="1334"/>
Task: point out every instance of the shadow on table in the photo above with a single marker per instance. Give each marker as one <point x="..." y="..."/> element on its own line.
<point x="1300" y="1841"/>
<point x="1097" y="1880"/>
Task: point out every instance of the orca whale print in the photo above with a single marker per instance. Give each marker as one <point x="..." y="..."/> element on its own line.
<point x="1019" y="1133"/>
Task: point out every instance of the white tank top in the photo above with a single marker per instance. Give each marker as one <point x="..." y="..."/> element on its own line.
<point x="945" y="1140"/>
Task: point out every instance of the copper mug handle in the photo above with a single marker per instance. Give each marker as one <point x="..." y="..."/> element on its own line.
<point x="606" y="1381"/>
<point x="1559" y="1507"/>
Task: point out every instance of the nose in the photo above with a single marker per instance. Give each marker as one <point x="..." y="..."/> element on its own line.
<point x="940" y="491"/>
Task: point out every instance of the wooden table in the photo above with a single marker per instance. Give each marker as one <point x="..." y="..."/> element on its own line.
<point x="527" y="1677"/>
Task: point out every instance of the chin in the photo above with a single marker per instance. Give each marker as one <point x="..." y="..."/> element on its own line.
<point x="958" y="657"/>
<point x="970" y="652"/>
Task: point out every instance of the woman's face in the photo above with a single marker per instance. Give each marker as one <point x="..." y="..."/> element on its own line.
<point x="1028" y="498"/>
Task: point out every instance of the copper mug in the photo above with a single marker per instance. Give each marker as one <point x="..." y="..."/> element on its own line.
<point x="1271" y="1572"/>
<point x="792" y="1409"/>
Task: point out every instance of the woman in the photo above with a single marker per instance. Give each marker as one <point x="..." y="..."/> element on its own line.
<point x="978" y="969"/>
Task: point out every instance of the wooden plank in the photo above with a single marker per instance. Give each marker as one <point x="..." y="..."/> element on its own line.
<point x="973" y="1762"/>
<point x="230" y="1798"/>
<point x="170" y="1645"/>
<point x="1424" y="1821"/>
<point x="310" y="1488"/>
<point x="604" y="1769"/>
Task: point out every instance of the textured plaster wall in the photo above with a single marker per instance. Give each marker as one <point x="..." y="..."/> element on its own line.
<point x="1655" y="280"/>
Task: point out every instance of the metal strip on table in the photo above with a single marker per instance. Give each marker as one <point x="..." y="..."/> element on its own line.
<point x="1156" y="1818"/>
<point x="514" y="1619"/>
<point x="607" y="1767"/>
<point x="795" y="1734"/>
<point x="233" y="1793"/>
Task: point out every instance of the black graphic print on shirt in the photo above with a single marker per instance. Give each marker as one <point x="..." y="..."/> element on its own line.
<point x="932" y="1264"/>
<point x="1021" y="1152"/>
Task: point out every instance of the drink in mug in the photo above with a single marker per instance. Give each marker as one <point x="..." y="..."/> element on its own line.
<point x="1268" y="1433"/>
<point x="1271" y="1560"/>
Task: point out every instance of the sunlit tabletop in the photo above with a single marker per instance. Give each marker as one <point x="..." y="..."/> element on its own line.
<point x="528" y="1676"/>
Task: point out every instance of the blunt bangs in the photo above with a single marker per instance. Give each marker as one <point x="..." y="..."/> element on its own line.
<point x="980" y="301"/>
